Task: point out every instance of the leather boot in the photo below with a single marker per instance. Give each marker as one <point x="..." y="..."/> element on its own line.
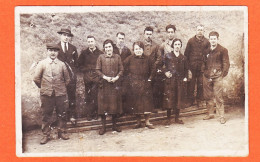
<point x="168" y="120"/>
<point x="147" y="122"/>
<point x="177" y="114"/>
<point x="63" y="136"/>
<point x="103" y="128"/>
<point x="138" y="125"/>
<point x="115" y="127"/>
<point x="45" y="139"/>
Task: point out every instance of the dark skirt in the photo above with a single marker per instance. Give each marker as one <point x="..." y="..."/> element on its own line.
<point x="139" y="96"/>
<point x="109" y="98"/>
<point x="174" y="93"/>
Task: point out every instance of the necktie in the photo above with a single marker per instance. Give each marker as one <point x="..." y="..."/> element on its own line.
<point x="65" y="48"/>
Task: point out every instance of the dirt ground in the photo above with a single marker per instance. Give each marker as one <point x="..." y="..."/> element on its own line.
<point x="195" y="138"/>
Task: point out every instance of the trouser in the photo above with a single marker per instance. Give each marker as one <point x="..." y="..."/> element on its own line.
<point x="47" y="106"/>
<point x="213" y="89"/>
<point x="91" y="89"/>
<point x="71" y="91"/>
<point x="197" y="79"/>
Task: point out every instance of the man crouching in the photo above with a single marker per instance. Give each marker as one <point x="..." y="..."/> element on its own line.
<point x="52" y="77"/>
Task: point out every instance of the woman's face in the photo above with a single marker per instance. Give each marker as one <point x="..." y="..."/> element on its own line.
<point x="138" y="50"/>
<point x="108" y="49"/>
<point x="177" y="46"/>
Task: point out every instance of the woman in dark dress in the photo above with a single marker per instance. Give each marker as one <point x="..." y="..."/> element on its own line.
<point x="139" y="100"/>
<point x="176" y="80"/>
<point x="110" y="68"/>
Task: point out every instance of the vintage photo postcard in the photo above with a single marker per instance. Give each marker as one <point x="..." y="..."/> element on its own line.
<point x="145" y="81"/>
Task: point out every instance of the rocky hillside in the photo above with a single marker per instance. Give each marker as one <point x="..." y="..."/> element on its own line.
<point x="38" y="29"/>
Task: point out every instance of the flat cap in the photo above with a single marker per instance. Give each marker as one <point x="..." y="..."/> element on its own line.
<point x="52" y="46"/>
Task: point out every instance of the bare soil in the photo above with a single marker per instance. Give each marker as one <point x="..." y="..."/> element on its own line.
<point x="196" y="137"/>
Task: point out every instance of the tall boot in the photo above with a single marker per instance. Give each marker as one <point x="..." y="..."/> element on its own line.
<point x="168" y="120"/>
<point x="46" y="133"/>
<point x="177" y="114"/>
<point x="147" y="121"/>
<point x="138" y="125"/>
<point x="62" y="127"/>
<point x="115" y="127"/>
<point x="103" y="122"/>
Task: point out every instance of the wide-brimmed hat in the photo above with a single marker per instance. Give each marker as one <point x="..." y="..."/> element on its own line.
<point x="67" y="31"/>
<point x="52" y="46"/>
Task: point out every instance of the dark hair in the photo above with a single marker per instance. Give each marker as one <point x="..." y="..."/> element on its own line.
<point x="170" y="26"/>
<point x="139" y="43"/>
<point x="175" y="40"/>
<point x="214" y="33"/>
<point x="148" y="28"/>
<point x="108" y="41"/>
<point x="121" y="33"/>
<point x="90" y="36"/>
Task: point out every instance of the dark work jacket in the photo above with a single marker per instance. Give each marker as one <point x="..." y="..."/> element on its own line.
<point x="216" y="62"/>
<point x="152" y="50"/>
<point x="194" y="52"/>
<point x="124" y="53"/>
<point x="88" y="59"/>
<point x="178" y="66"/>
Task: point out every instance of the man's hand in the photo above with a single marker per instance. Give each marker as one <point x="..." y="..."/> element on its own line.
<point x="114" y="79"/>
<point x="168" y="74"/>
<point x="185" y="79"/>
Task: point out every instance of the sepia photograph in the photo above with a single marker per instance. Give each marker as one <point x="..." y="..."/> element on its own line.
<point x="144" y="81"/>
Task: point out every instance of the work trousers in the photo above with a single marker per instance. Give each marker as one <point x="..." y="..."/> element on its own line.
<point x="197" y="79"/>
<point x="47" y="106"/>
<point x="213" y="89"/>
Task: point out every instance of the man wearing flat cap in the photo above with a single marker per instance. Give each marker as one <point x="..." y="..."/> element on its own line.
<point x="52" y="77"/>
<point x="68" y="54"/>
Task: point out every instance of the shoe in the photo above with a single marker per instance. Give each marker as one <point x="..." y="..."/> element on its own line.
<point x="44" y="140"/>
<point x="222" y="120"/>
<point x="89" y="118"/>
<point x="73" y="121"/>
<point x="168" y="122"/>
<point x="63" y="136"/>
<point x="102" y="131"/>
<point x="137" y="126"/>
<point x="208" y="117"/>
<point x="95" y="117"/>
<point x="116" y="128"/>
<point x="150" y="126"/>
<point x="178" y="121"/>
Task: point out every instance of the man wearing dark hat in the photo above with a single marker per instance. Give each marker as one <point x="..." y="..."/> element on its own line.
<point x="215" y="68"/>
<point x="52" y="77"/>
<point x="68" y="54"/>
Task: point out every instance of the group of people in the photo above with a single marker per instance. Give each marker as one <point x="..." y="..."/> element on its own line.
<point x="137" y="81"/>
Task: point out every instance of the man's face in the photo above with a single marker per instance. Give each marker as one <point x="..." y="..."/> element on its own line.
<point x="108" y="48"/>
<point x="170" y="33"/>
<point x="138" y="50"/>
<point x="91" y="43"/>
<point x="213" y="40"/>
<point x="52" y="53"/>
<point x="148" y="35"/>
<point x="120" y="39"/>
<point x="200" y="31"/>
<point x="177" y="46"/>
<point x="65" y="37"/>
